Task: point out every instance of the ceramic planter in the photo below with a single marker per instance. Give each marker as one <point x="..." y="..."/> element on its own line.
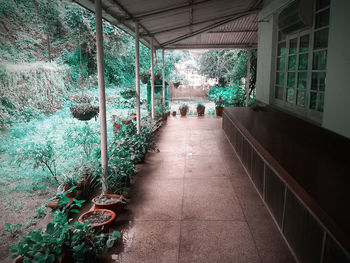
<point x="97" y="227"/>
<point x="115" y="206"/>
<point x="219" y="111"/>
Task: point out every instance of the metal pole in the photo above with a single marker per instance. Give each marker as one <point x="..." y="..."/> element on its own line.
<point x="152" y="77"/>
<point x="101" y="92"/>
<point x="137" y="77"/>
<point x="163" y="73"/>
<point x="248" y="77"/>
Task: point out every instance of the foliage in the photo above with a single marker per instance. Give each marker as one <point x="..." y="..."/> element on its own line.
<point x="227" y="96"/>
<point x="183" y="107"/>
<point x="42" y="154"/>
<point x="200" y="105"/>
<point x="13" y="230"/>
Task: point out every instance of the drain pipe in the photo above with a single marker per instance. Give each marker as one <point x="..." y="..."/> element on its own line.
<point x="137" y="77"/>
<point x="101" y="92"/>
<point x="152" y="78"/>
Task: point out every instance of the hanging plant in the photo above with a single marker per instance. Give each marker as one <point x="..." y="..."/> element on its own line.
<point x="128" y="93"/>
<point x="176" y="84"/>
<point x="157" y="76"/>
<point x="84" y="112"/>
<point x="145" y="78"/>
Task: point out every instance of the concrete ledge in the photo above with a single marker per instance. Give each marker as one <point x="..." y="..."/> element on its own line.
<point x="310" y="207"/>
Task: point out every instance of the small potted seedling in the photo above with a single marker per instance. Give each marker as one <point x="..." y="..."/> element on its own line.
<point x="200" y="109"/>
<point x="183" y="110"/>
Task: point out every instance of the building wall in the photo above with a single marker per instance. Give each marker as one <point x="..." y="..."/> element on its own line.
<point x="336" y="116"/>
<point x="337" y="96"/>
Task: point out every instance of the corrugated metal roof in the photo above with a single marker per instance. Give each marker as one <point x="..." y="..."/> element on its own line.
<point x="185" y="24"/>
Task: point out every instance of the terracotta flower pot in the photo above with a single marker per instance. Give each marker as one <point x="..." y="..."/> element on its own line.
<point x="174" y="113"/>
<point x="115" y="206"/>
<point x="116" y="127"/>
<point x="164" y="116"/>
<point x="200" y="111"/>
<point x="168" y="113"/>
<point x="219" y="111"/>
<point x="126" y="122"/>
<point x="133" y="117"/>
<point x="97" y="227"/>
<point x="70" y="194"/>
<point x="183" y="112"/>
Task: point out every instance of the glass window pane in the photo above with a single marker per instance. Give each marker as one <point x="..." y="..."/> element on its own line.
<point x="280" y="78"/>
<point x="292" y="61"/>
<point x="319" y="60"/>
<point x="291" y="79"/>
<point x="318" y="80"/>
<point x="281" y="63"/>
<point x="301" y="99"/>
<point x="302" y="78"/>
<point x="321" y="4"/>
<point x="291" y="95"/>
<point x="313" y="97"/>
<point x="322" y="19"/>
<point x="281" y="49"/>
<point x="279" y="93"/>
<point x="320" y="102"/>
<point x="304" y="43"/>
<point x="321" y="39"/>
<point x="293" y="45"/>
<point x="281" y="36"/>
<point x="303" y="61"/>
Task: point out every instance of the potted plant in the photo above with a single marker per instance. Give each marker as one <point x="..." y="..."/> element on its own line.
<point x="63" y="242"/>
<point x="128" y="93"/>
<point x="183" y="110"/>
<point x="145" y="77"/>
<point x="219" y="105"/>
<point x="157" y="77"/>
<point x="200" y="109"/>
<point x="176" y="84"/>
<point x="109" y="201"/>
<point x="174" y="113"/>
<point x="84" y="112"/>
<point x="99" y="219"/>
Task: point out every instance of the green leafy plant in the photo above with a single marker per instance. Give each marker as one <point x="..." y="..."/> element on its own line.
<point x="200" y="104"/>
<point x="183" y="107"/>
<point x="43" y="154"/>
<point x="13" y="230"/>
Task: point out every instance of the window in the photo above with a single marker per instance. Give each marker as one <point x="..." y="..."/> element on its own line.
<point x="301" y="60"/>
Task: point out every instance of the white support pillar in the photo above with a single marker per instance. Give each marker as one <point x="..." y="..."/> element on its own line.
<point x="137" y="77"/>
<point x="163" y="76"/>
<point x="152" y="78"/>
<point x="101" y="92"/>
<point x="248" y="77"/>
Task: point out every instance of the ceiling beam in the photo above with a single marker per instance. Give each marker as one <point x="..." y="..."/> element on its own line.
<point x="204" y="21"/>
<point x="213" y="46"/>
<point x="207" y="28"/>
<point x="231" y="31"/>
<point x="162" y="11"/>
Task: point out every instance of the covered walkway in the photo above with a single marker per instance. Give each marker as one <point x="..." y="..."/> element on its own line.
<point x="193" y="202"/>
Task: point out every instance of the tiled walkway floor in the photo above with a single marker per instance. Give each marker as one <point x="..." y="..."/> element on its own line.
<point x="193" y="202"/>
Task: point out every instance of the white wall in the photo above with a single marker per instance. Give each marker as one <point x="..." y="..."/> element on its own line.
<point x="336" y="116"/>
<point x="266" y="49"/>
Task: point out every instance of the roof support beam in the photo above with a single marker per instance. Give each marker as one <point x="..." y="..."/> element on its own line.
<point x="216" y="24"/>
<point x="152" y="79"/>
<point x="101" y="93"/>
<point x="231" y="31"/>
<point x="213" y="46"/>
<point x="137" y="78"/>
<point x="163" y="11"/>
<point x="227" y="17"/>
